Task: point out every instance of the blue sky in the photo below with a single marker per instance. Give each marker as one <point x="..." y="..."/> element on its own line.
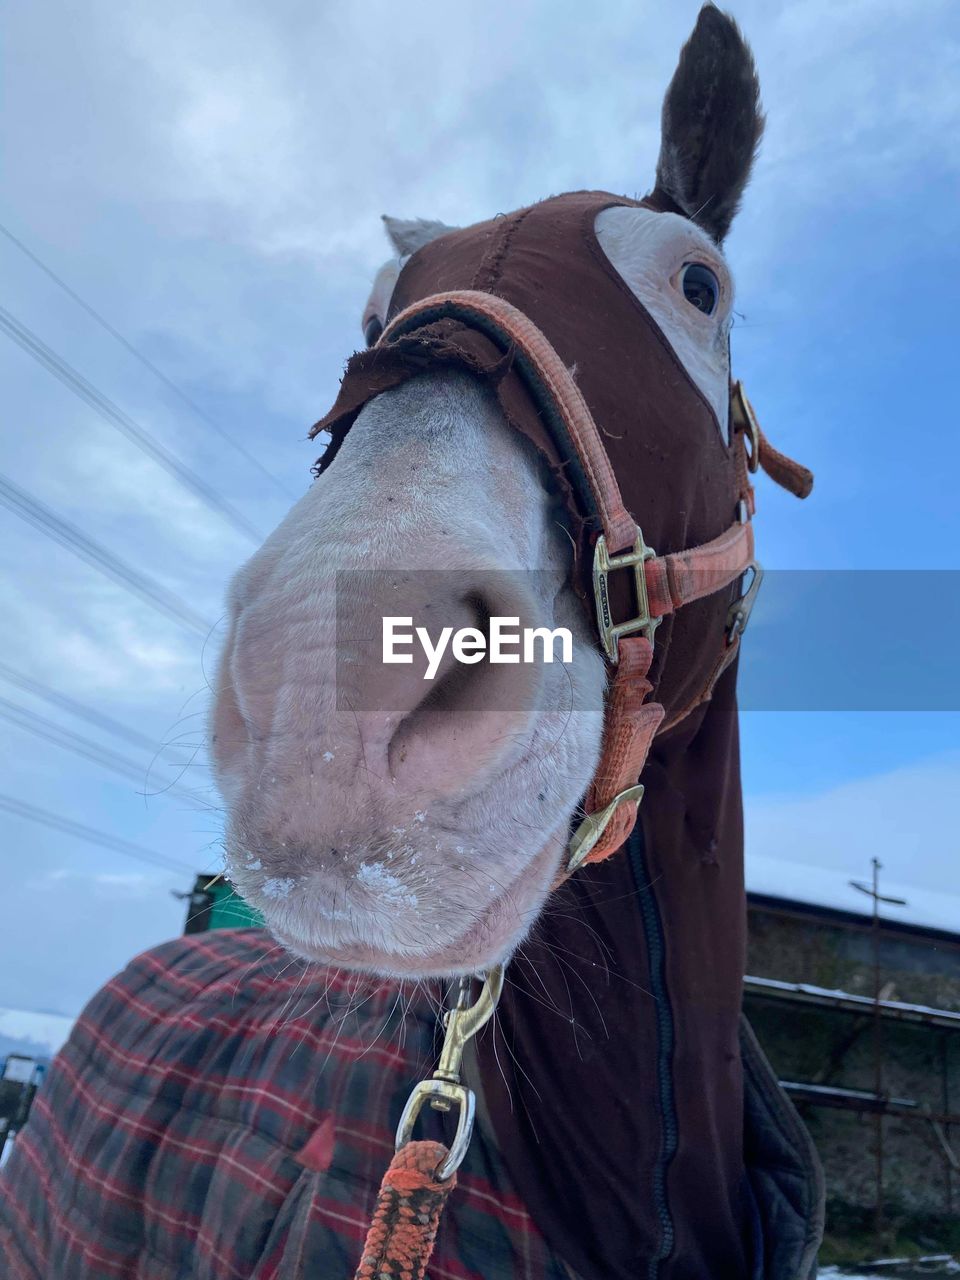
<point x="211" y="179"/>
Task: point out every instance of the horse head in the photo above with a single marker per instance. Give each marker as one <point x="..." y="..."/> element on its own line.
<point x="413" y="827"/>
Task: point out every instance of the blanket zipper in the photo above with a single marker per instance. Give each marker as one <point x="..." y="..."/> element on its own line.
<point x="656" y="959"/>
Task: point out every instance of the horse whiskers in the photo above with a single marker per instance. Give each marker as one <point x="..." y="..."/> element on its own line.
<point x="531" y="968"/>
<point x="278" y="1021"/>
<point x="517" y="1063"/>
<point x="557" y="913"/>
<point x="583" y="982"/>
<point x="549" y="1005"/>
<point x="610" y="975"/>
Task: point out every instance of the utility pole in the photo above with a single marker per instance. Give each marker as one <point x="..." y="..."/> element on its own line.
<point x="873" y="891"/>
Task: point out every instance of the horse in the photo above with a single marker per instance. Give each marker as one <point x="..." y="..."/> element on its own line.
<point x="544" y="399"/>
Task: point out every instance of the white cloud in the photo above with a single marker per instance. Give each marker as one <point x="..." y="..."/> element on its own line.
<point x="132" y="491"/>
<point x="908" y="818"/>
<point x="108" y="885"/>
<point x="89" y="637"/>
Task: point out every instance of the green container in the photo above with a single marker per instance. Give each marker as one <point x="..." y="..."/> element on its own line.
<point x="215" y="904"/>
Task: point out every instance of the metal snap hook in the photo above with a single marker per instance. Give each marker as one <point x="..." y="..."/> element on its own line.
<point x="444" y="1089"/>
<point x="738" y="615"/>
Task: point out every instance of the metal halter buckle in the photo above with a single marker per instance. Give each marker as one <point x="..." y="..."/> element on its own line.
<point x="603" y="562"/>
<point x="587" y="836"/>
<point x="745" y="420"/>
<point x="738" y="615"/>
<point x="444" y="1087"/>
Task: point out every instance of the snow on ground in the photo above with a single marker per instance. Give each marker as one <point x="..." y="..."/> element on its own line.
<point x="897" y="1269"/>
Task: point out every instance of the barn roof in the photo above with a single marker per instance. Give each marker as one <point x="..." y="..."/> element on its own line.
<point x="826" y="890"/>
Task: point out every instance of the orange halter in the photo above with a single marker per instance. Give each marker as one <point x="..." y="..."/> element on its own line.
<point x="422" y="1174"/>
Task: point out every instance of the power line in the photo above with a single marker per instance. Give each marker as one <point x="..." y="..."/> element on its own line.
<point x="146" y="362"/>
<point x="88" y="393"/>
<point x="50" y="731"/>
<point x="57" y="823"/>
<point x="76" y="708"/>
<point x="40" y="516"/>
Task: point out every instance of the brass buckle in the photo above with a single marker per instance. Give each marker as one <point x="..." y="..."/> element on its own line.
<point x="444" y="1088"/>
<point x="745" y="420"/>
<point x="603" y="562"/>
<point x="586" y="837"/>
<point x="738" y="615"/>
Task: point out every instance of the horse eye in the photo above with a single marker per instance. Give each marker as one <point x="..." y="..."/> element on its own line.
<point x="372" y="330"/>
<point x="701" y="288"/>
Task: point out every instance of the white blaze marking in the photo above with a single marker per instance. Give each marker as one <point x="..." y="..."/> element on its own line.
<point x="649" y="250"/>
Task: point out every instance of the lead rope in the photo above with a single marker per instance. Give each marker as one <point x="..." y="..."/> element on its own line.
<point x="405" y="1220"/>
<point x="422" y="1174"/>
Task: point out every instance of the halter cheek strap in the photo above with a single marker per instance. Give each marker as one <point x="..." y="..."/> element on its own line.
<point x="630" y="721"/>
<point x="662" y="584"/>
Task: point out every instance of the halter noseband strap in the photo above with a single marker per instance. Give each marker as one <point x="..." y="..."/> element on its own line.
<point x="662" y="583"/>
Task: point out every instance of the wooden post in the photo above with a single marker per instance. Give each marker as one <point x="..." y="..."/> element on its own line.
<point x="877" y="1054"/>
<point x="873" y="891"/>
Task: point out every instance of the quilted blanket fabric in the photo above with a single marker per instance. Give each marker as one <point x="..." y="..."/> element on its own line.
<point x="220" y="1112"/>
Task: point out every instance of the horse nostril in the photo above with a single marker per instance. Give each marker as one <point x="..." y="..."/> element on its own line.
<point x="474" y="712"/>
<point x="481" y="611"/>
<point x="455" y="687"/>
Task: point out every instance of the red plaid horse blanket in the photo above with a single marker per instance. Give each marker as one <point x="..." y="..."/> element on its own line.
<point x="220" y="1112"/>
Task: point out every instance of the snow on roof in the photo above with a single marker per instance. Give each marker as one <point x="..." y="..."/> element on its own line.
<point x="827" y="887"/>
<point x="807" y="992"/>
<point x="37" y="1030"/>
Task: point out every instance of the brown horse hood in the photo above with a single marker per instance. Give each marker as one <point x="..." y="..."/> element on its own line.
<point x="679" y="480"/>
<point x="612" y="1079"/>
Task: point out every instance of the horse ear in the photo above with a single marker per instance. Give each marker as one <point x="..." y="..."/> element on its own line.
<point x="407" y="235"/>
<point x="711" y="124"/>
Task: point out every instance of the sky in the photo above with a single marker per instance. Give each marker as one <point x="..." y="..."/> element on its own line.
<point x="210" y="179"/>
